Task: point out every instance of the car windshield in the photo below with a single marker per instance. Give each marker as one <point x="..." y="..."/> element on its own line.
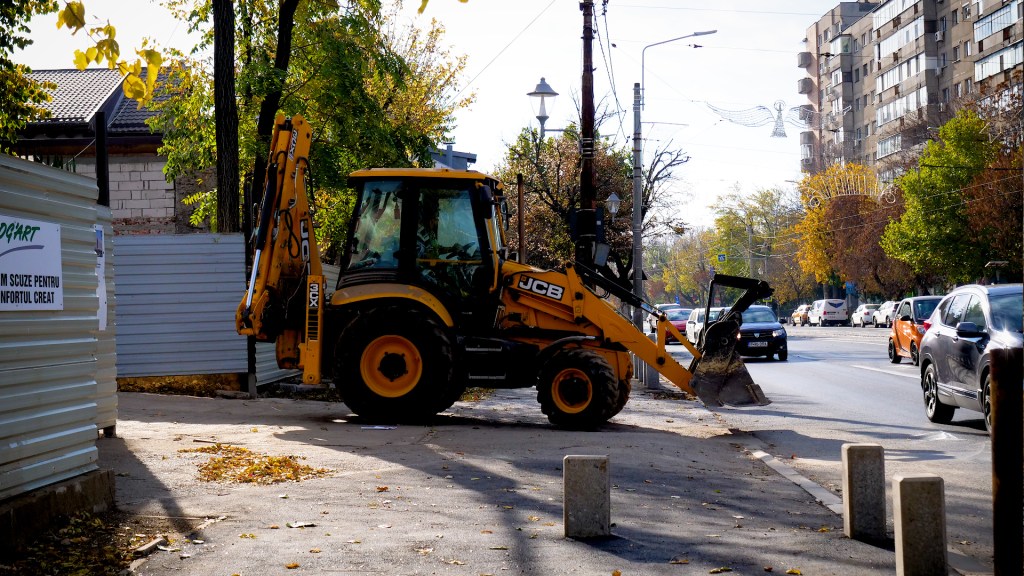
<point x="870" y="307"/>
<point x="677" y="314"/>
<point x="758" y="315"/>
<point x="924" y="308"/>
<point x="1006" y="312"/>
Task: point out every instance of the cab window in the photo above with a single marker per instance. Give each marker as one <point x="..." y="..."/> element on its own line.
<point x="378" y="226"/>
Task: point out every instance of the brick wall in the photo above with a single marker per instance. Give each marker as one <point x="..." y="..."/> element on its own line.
<point x="142" y="201"/>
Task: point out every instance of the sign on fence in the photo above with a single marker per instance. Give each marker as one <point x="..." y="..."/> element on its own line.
<point x="30" y="265"/>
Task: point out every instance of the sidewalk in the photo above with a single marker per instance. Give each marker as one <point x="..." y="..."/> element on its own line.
<point x="478" y="492"/>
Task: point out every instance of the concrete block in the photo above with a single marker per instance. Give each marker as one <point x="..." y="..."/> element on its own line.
<point x="864" y="491"/>
<point x="587" y="504"/>
<point x="919" y="514"/>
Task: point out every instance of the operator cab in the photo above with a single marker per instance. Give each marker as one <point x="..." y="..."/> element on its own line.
<point x="433" y="228"/>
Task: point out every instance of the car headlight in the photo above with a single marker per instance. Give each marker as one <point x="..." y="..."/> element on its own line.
<point x="779" y="333"/>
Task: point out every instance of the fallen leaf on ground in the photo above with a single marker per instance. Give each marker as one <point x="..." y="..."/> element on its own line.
<point x="720" y="570"/>
<point x="314" y="550"/>
<point x="533" y="518"/>
<point x="292" y="566"/>
<point x="679" y="560"/>
<point x="487" y="532"/>
<point x="382" y="488"/>
<point x="250" y="536"/>
<point x="456" y="562"/>
<point x="499" y="548"/>
<point x="794" y="571"/>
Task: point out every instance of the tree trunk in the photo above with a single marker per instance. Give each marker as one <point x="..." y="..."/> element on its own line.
<point x="268" y="108"/>
<point x="225" y="115"/>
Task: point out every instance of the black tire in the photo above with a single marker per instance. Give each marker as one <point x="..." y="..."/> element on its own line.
<point x="394" y="364"/>
<point x="784" y="354"/>
<point x="986" y="403"/>
<point x="915" y="356"/>
<point x="578" y="390"/>
<point x="894" y="356"/>
<point x="935" y="410"/>
<point x="625" y="387"/>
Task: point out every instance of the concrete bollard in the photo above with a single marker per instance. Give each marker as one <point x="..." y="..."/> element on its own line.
<point x="919" y="514"/>
<point x="586" y="493"/>
<point x="864" y="492"/>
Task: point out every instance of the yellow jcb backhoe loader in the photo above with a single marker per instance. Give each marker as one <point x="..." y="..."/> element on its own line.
<point x="430" y="302"/>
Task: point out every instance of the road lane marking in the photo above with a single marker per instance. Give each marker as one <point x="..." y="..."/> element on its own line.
<point x="894" y="373"/>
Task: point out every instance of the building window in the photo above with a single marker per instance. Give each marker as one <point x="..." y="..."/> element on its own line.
<point x="819" y="40"/>
<point x="958" y="89"/>
<point x="856" y="76"/>
<point x="956" y="53"/>
<point x="967" y="11"/>
<point x="945" y="95"/>
<point x="967" y="49"/>
<point x="942" y="59"/>
<point x="956" y="17"/>
<point x="969" y="86"/>
<point x="942" y="24"/>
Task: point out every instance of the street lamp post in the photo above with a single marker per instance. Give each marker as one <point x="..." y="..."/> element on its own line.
<point x="638" y="250"/>
<point x="543" y="90"/>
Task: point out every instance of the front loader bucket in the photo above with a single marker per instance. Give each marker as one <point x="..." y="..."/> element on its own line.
<point x="720" y="377"/>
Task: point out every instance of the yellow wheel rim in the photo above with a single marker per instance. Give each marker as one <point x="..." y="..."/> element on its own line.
<point x="391" y="366"/>
<point x="572" y="391"/>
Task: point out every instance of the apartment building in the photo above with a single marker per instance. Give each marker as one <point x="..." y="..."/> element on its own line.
<point x="881" y="76"/>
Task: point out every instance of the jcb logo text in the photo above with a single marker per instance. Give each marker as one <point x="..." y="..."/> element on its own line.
<point x="541" y="287"/>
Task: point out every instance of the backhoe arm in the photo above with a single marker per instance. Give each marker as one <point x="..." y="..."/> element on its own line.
<point x="283" y="301"/>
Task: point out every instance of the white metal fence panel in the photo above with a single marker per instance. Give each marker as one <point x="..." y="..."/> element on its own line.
<point x="106" y="353"/>
<point x="176" y="301"/>
<point x="48" y="363"/>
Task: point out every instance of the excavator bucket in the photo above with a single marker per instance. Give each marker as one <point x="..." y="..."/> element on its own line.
<point x="719" y="375"/>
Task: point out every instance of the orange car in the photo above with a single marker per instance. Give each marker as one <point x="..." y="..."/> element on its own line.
<point x="907" y="328"/>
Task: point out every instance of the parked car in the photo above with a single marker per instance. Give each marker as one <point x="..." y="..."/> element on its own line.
<point x="652" y="321"/>
<point x="863" y="315"/>
<point x="908" y="327"/>
<point x="695" y="323"/>
<point x="799" y="316"/>
<point x="967" y="324"/>
<point x="828" y="312"/>
<point x="883" y="315"/>
<point x="678" y="318"/>
<point x="761" y="334"/>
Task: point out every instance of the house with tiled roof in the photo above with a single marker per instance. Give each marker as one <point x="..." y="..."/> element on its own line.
<point x="141" y="199"/>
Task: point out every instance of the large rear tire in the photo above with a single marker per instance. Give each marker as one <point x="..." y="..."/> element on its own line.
<point x="394" y="364"/>
<point x="577" y="389"/>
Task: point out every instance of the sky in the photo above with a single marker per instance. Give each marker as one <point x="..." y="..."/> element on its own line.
<point x="510" y="44"/>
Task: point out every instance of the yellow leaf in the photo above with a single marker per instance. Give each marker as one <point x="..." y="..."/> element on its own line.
<point x="456" y="562"/>
<point x="155" y="59"/>
<point x="616" y="573"/>
<point x="292" y="566"/>
<point x="134" y="87"/>
<point x="679" y="560"/>
<point x="314" y="550"/>
<point x="72" y="16"/>
<point x="382" y="488"/>
<point x="423" y="6"/>
<point x="720" y="570"/>
<point x="794" y="571"/>
<point x="254" y="430"/>
<point x="91" y="53"/>
<point x="81" y="60"/>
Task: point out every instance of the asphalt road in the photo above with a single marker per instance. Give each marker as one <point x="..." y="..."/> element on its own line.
<point x="838" y="387"/>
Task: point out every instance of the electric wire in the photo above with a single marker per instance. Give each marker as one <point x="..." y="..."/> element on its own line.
<point x="506" y="47"/>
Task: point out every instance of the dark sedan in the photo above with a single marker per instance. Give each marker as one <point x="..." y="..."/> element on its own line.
<point x="761" y="334"/>
<point x="966" y="325"/>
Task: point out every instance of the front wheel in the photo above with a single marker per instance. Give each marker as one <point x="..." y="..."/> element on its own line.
<point x="894" y="356"/>
<point x="915" y="356"/>
<point x="395" y="364"/>
<point x="935" y="410"/>
<point x="783" y="354"/>
<point x="986" y="403"/>
<point x="577" y="389"/>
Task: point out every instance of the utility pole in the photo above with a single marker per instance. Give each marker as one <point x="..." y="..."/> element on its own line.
<point x="638" y="204"/>
<point x="586" y="218"/>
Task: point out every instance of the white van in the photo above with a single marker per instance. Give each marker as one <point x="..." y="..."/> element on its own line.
<point x="827" y="312"/>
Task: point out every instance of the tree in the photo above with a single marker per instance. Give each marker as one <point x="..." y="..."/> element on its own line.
<point x="21" y="96"/>
<point x="225" y="114"/>
<point x="933" y="235"/>
<point x="376" y="94"/>
<point x="688" y="267"/>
